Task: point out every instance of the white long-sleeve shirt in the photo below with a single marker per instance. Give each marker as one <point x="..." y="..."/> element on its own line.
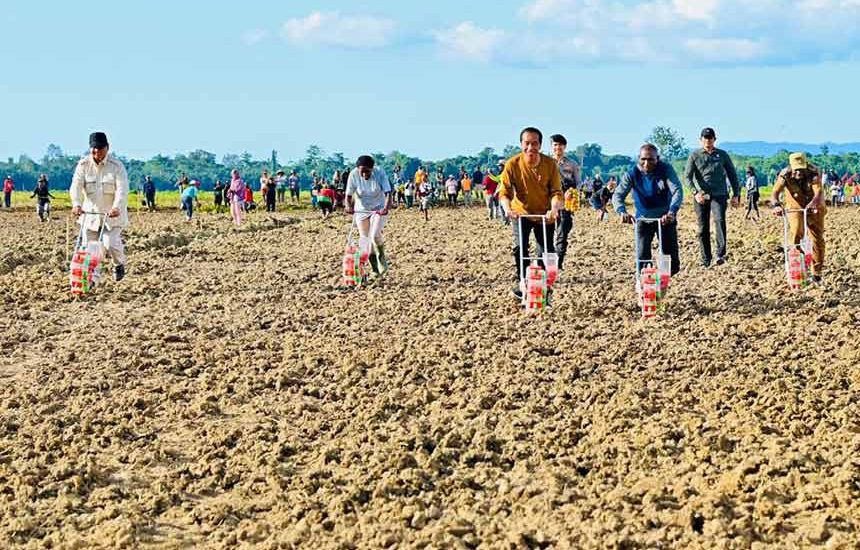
<point x="99" y="188"/>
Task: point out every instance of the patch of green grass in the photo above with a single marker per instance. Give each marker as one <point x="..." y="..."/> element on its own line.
<point x="164" y="200"/>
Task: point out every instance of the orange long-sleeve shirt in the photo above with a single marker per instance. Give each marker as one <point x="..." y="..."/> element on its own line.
<point x="531" y="190"/>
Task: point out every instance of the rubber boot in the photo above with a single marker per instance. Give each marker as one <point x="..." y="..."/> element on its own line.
<point x="374" y="263"/>
<point x="381" y="259"/>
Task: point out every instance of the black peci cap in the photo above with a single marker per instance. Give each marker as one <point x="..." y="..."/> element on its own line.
<point x="98" y="140"/>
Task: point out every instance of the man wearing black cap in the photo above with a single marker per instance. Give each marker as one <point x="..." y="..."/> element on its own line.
<point x="707" y="170"/>
<point x="100" y="184"/>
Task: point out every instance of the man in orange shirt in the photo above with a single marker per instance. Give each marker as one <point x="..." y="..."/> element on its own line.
<point x="530" y="184"/>
<point x="466" y="186"/>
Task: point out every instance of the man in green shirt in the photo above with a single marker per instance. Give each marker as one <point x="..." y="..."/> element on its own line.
<point x="706" y="173"/>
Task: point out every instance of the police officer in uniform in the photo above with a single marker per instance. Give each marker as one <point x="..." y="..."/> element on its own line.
<point x="100" y="184"/>
<point x="801" y="181"/>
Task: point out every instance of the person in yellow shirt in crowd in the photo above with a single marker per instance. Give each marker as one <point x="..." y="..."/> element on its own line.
<point x="466" y="186"/>
<point x="420" y="176"/>
<point x="802" y="182"/>
<point x="530" y="184"/>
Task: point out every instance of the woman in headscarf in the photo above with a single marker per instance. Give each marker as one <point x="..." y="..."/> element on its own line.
<point x="237" y="197"/>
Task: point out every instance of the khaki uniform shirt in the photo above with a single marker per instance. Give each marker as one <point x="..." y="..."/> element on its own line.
<point x="798" y="192"/>
<point x="99" y="188"/>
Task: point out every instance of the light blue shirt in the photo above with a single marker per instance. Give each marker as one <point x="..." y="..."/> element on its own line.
<point x="190" y="192"/>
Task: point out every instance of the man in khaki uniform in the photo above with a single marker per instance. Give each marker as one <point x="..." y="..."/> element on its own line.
<point x="100" y="184"/>
<point x="802" y="182"/>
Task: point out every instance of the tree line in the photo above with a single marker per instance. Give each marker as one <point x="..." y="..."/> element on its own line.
<point x="205" y="166"/>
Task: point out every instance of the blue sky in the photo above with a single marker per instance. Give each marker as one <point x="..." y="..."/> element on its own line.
<point x="432" y="79"/>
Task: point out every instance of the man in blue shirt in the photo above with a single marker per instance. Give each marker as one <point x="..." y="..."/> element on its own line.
<point x="657" y="193"/>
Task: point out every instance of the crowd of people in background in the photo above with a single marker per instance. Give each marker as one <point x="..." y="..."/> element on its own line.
<point x="526" y="187"/>
<point x="424" y="190"/>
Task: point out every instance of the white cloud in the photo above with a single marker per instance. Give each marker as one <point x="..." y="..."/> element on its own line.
<point x="680" y="31"/>
<point x="695" y="9"/>
<point x="541" y="10"/>
<point x="717" y="49"/>
<point x="336" y="29"/>
<point x="254" y="36"/>
<point x="470" y="42"/>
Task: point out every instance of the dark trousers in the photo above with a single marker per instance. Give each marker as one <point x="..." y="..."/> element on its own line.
<point x="645" y="232"/>
<point x="188" y="205"/>
<point x="716" y="207"/>
<point x="150" y="201"/>
<point x="565" y="224"/>
<point x="752" y="203"/>
<point x="270" y="202"/>
<point x="521" y="241"/>
<point x="7" y="199"/>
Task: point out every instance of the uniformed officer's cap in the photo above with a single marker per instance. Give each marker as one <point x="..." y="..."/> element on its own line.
<point x="798" y="161"/>
<point x="98" y="140"/>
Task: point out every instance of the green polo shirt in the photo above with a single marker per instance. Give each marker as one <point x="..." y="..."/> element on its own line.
<point x="707" y="173"/>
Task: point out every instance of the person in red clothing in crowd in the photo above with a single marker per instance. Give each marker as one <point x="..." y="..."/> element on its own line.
<point x="325" y="199"/>
<point x="491" y="197"/>
<point x="8" y="187"/>
<point x="249" y="199"/>
<point x="491" y="192"/>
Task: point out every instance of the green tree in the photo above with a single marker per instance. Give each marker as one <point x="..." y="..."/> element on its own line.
<point x="54" y="152"/>
<point x="231" y="161"/>
<point x="590" y="157"/>
<point x="487" y="157"/>
<point x="510" y="151"/>
<point x="670" y="143"/>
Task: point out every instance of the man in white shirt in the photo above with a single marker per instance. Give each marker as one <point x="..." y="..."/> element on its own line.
<point x="100" y="186"/>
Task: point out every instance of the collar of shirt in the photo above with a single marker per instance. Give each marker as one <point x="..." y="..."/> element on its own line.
<point x="103" y="163"/>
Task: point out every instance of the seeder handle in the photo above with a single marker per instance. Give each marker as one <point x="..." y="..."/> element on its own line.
<point x="523" y="256"/>
<point x="80" y="240"/>
<point x="636" y="274"/>
<point x="785" y="236"/>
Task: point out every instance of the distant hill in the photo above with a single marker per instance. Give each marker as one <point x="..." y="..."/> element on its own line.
<point x="766" y="149"/>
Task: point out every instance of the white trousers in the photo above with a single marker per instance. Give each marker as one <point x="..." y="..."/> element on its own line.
<point x="112" y="241"/>
<point x="367" y="225"/>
